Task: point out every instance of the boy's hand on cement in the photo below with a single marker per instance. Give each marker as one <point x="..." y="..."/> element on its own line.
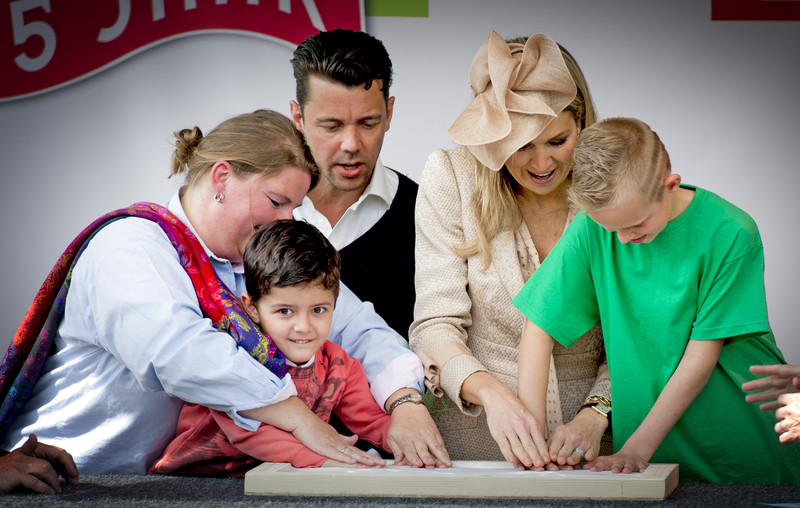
<point x="620" y="462"/>
<point x="337" y="463"/>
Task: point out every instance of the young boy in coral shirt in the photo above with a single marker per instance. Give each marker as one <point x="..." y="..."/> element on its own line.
<point x="292" y="281"/>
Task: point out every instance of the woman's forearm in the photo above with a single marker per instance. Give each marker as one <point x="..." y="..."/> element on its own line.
<point x="480" y="387"/>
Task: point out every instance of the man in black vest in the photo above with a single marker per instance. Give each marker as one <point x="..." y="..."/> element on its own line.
<point x="366" y="210"/>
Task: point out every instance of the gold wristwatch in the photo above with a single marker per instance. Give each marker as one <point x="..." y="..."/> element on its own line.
<point x="599" y="403"/>
<point x="412" y="397"/>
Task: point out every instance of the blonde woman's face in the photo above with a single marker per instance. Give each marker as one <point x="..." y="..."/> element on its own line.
<point x="543" y="165"/>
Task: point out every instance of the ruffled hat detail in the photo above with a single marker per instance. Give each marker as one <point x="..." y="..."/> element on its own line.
<point x="519" y="90"/>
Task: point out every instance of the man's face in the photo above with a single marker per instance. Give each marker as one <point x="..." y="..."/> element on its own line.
<point x="344" y="127"/>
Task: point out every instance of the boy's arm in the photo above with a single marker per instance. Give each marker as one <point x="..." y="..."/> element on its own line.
<point x="535" y="350"/>
<point x="690" y="377"/>
<point x="268" y="443"/>
<point x="585" y="431"/>
<point x="358" y="410"/>
<point x="293" y="416"/>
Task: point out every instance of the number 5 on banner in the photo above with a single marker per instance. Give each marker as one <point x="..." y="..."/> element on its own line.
<point x="23" y="32"/>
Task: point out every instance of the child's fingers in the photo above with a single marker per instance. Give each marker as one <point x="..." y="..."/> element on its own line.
<point x="363" y="457"/>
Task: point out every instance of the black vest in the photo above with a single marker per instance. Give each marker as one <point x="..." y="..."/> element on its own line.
<point x="379" y="265"/>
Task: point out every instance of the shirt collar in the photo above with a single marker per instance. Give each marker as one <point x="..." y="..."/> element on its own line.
<point x="383" y="185"/>
<point x="309" y="363"/>
<point x="380" y="185"/>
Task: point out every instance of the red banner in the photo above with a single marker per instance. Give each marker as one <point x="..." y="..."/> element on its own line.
<point x="755" y="10"/>
<point x="46" y="44"/>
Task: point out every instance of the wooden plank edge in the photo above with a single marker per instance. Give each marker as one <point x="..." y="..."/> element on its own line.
<point x="655" y="484"/>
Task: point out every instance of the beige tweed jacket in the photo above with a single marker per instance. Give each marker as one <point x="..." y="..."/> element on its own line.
<point x="464" y="321"/>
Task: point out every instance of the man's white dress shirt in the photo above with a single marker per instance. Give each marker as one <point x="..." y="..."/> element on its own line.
<point x="361" y="215"/>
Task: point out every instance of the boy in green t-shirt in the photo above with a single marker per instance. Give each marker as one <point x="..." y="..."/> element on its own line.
<point x="680" y="295"/>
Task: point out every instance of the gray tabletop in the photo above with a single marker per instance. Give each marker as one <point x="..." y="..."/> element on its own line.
<point x="162" y="491"/>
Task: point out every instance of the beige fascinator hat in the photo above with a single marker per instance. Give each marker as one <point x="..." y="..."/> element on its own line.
<point x="518" y="91"/>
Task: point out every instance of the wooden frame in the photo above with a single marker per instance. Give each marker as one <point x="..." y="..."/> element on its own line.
<point x="466" y="479"/>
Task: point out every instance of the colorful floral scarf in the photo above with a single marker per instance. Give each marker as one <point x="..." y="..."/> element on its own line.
<point x="34" y="339"/>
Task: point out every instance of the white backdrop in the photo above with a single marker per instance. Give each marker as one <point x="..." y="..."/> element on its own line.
<point x="722" y="96"/>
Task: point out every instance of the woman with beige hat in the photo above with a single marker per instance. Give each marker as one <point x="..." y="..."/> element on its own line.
<point x="488" y="213"/>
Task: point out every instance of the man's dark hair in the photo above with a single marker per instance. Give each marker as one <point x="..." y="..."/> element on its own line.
<point x="287" y="253"/>
<point x="345" y="56"/>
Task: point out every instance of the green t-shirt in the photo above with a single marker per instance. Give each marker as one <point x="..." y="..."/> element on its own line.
<point x="701" y="278"/>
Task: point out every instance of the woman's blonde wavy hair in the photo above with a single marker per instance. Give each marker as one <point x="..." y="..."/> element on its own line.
<point x="494" y="202"/>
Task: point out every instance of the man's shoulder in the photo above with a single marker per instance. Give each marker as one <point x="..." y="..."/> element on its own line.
<point x="406" y="195"/>
<point x="404" y="179"/>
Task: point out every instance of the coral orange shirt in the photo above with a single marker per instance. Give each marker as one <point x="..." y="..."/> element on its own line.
<point x="209" y="443"/>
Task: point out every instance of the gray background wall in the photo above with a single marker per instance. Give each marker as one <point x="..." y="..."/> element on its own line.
<point x="722" y="95"/>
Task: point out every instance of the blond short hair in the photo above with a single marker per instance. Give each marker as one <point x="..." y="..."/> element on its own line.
<point x="616" y="159"/>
